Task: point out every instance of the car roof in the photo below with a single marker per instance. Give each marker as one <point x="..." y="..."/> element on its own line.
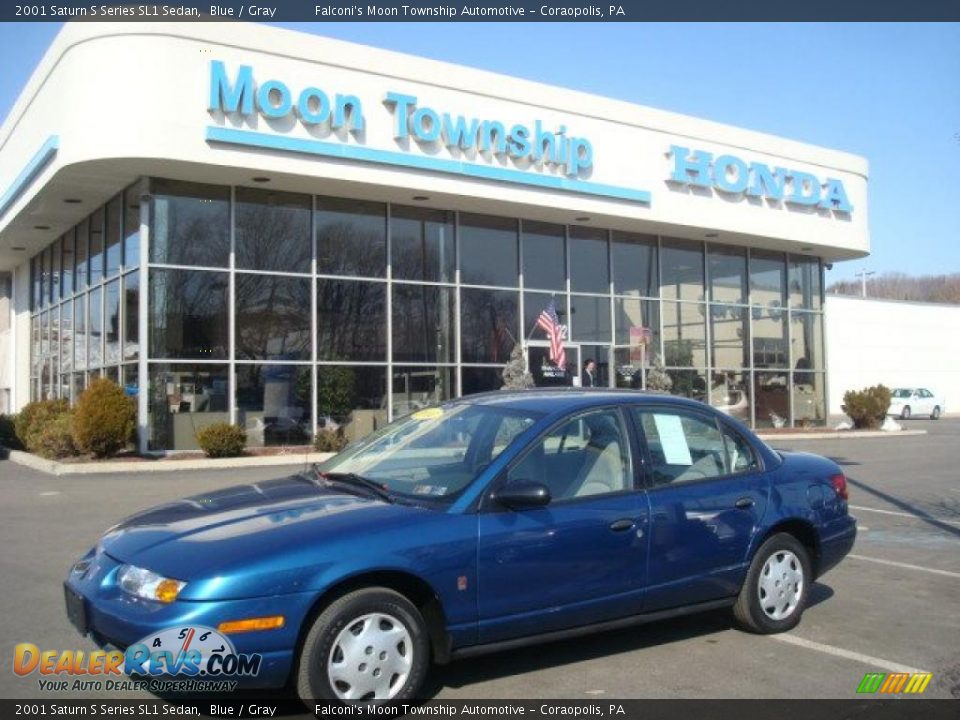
<point x="551" y="400"/>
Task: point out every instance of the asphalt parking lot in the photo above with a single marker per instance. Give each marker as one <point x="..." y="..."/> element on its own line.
<point x="892" y="606"/>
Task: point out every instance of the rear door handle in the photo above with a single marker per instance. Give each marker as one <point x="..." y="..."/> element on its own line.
<point x="744" y="503"/>
<point x="622" y="525"/>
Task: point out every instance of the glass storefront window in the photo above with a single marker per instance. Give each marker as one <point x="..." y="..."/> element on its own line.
<point x="634" y="261"/>
<point x="488" y="250"/>
<point x="182" y="399"/>
<point x="772" y="401"/>
<point x="351" y="320"/>
<point x="682" y="267"/>
<point x="66" y="277"/>
<point x="131" y="225"/>
<point x="417" y="387"/>
<point x="805" y="285"/>
<point x="130" y="378"/>
<point x="80" y="332"/>
<point x="480" y="379"/>
<point x="352" y="398"/>
<point x="112" y="322"/>
<point x="424" y="324"/>
<point x="270" y="320"/>
<point x="589" y="264"/>
<point x="95" y="328"/>
<point x="273" y="404"/>
<point x="628" y="367"/>
<point x="423" y="246"/>
<point x="45" y="278"/>
<point x="78" y="383"/>
<point x="273" y="231"/>
<point x="56" y="258"/>
<point x="82" y="274"/>
<point x="488" y="325"/>
<point x="730" y="393"/>
<point x="809" y="399"/>
<point x="544" y="256"/>
<point x="189" y="224"/>
<point x="114" y="254"/>
<point x="351" y="237"/>
<point x="590" y="319"/>
<point x="534" y="303"/>
<point x="36" y="331"/>
<point x="767" y="279"/>
<point x="131" y="316"/>
<point x="630" y="313"/>
<point x="188" y="314"/>
<point x="689" y="383"/>
<point x="684" y="334"/>
<point x="806" y="340"/>
<point x="770" y="345"/>
<point x="95" y="261"/>
<point x="729" y="331"/>
<point x="727" y="268"/>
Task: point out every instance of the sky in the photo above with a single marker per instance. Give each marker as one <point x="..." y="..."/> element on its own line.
<point x="887" y="91"/>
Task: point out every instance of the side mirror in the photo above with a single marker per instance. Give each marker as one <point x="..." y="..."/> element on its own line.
<point x="523" y="494"/>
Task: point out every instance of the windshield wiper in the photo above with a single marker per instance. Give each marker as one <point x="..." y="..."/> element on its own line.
<point x="358" y="480"/>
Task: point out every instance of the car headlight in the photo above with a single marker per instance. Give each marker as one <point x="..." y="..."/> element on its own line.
<point x="148" y="585"/>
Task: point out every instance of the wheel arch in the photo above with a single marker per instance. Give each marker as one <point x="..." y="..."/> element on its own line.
<point x="414" y="588"/>
<point x="805" y="533"/>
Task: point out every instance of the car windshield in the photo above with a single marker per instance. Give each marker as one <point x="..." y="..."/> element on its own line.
<point x="902" y="393"/>
<point x="433" y="453"/>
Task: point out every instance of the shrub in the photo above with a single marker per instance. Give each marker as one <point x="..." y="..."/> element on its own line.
<point x="104" y="419"/>
<point x="55" y="439"/>
<point x="222" y="439"/>
<point x="8" y="433"/>
<point x="34" y="417"/>
<point x="867" y="408"/>
<point x="328" y="440"/>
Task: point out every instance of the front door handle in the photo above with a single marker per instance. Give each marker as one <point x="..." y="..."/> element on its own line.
<point x="744" y="503"/>
<point x="622" y="525"/>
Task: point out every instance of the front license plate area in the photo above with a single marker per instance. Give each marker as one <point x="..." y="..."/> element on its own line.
<point x="76" y="609"/>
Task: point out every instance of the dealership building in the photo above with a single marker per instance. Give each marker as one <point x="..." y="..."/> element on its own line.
<point x="238" y="222"/>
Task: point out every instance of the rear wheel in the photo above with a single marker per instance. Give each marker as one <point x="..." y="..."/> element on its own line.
<point x="905" y="413"/>
<point x="368" y="646"/>
<point x="935" y="415"/>
<point x="775" y="591"/>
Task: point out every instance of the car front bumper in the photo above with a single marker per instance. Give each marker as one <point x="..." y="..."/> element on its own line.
<point x="113" y="619"/>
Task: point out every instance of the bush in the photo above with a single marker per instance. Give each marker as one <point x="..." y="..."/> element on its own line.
<point x="55" y="439"/>
<point x="867" y="408"/>
<point x="8" y="433"/>
<point x="328" y="440"/>
<point x="104" y="419"/>
<point x="222" y="439"/>
<point x="36" y="416"/>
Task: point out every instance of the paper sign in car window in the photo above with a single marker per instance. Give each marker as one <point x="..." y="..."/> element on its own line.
<point x="673" y="441"/>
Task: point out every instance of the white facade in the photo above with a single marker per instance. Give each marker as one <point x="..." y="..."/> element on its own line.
<point x="897" y="344"/>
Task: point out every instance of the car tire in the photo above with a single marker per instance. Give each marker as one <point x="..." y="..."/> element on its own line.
<point x="775" y="591"/>
<point x="935" y="415"/>
<point x="389" y="664"/>
<point x="905" y="413"/>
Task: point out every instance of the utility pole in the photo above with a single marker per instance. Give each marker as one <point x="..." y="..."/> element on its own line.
<point x="863" y="275"/>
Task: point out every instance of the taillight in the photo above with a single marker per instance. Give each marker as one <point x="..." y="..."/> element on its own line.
<point x="839" y="483"/>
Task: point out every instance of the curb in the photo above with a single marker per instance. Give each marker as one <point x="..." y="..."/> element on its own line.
<point x="841" y="435"/>
<point x="52" y="467"/>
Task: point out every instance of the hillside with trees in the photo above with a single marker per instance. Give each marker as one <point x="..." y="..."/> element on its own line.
<point x="899" y="286"/>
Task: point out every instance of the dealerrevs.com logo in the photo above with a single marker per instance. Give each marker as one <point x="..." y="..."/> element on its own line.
<point x="192" y="658"/>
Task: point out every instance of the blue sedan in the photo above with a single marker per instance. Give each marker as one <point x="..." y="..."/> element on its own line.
<point x="489" y="522"/>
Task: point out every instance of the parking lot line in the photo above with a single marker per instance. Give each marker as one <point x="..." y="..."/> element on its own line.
<point x="847" y="654"/>
<point x="903" y="514"/>
<point x="908" y="566"/>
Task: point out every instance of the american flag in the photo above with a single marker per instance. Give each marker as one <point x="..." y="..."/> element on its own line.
<point x="556" y="333"/>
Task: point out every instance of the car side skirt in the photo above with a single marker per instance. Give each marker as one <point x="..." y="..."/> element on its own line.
<point x="513" y="643"/>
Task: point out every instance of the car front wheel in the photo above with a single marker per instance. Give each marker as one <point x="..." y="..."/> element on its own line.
<point x="775" y="591"/>
<point x="368" y="646"/>
<point x="935" y="415"/>
<point x="905" y="413"/>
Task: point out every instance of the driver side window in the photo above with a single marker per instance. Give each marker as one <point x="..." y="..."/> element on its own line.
<point x="586" y="455"/>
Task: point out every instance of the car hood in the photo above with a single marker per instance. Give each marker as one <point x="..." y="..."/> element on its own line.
<point x="271" y="532"/>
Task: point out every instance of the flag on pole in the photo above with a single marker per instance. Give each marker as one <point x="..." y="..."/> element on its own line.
<point x="556" y="333"/>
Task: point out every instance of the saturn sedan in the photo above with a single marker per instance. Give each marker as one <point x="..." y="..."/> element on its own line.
<point x="482" y="524"/>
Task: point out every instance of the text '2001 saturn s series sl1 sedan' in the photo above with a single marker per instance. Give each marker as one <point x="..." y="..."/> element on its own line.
<point x="478" y="525"/>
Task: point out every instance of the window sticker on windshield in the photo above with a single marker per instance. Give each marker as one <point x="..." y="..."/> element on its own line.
<point x="673" y="441"/>
<point x="423" y="490"/>
<point x="433" y="413"/>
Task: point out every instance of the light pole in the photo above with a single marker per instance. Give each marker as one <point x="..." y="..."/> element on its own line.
<point x="863" y="275"/>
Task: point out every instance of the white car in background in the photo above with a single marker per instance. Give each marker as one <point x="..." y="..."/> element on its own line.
<point x="910" y="402"/>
